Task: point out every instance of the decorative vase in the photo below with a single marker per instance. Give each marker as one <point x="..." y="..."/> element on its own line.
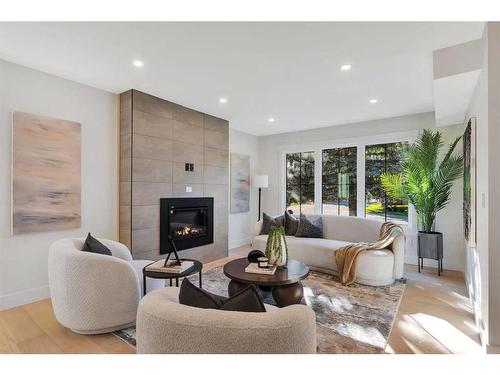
<point x="276" y="247"/>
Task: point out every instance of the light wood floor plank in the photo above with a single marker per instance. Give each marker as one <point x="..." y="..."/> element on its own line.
<point x="18" y="325"/>
<point x="39" y="345"/>
<point x="74" y="343"/>
<point x="7" y="346"/>
<point x="42" y="314"/>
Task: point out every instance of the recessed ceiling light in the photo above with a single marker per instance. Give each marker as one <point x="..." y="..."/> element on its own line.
<point x="270" y="119"/>
<point x="138" y="63"/>
<point x="373" y="101"/>
<point x="222" y="100"/>
<point x="345" y="67"/>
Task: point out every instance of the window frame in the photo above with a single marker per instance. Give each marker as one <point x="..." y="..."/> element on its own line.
<point x="359" y="142"/>
<point x="339" y="184"/>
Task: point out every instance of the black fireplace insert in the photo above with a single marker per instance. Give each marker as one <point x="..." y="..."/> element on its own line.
<point x="188" y="222"/>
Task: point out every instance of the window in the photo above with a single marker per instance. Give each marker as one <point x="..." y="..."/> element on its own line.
<point x="300" y="182"/>
<point x="339" y="190"/>
<point x="379" y="159"/>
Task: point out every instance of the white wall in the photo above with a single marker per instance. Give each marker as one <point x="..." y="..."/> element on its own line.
<point x="23" y="258"/>
<point x="449" y="221"/>
<point x="240" y="225"/>
<point x="483" y="260"/>
<point x="494" y="185"/>
<point x="476" y="272"/>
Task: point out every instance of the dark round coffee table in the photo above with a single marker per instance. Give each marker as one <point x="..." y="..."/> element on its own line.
<point x="197" y="267"/>
<point x="286" y="286"/>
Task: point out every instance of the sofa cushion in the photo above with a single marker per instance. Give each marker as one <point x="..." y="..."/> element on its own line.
<point x="269" y="221"/>
<point x="349" y="228"/>
<point x="291" y="224"/>
<point x="93" y="245"/>
<point x="309" y="228"/>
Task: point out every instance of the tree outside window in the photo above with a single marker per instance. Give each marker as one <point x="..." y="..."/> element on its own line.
<point x="339" y="188"/>
<point x="300" y="182"/>
<point x="380" y="159"/>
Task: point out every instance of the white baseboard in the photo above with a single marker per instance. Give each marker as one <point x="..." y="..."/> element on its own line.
<point x="233" y="244"/>
<point x="9" y="301"/>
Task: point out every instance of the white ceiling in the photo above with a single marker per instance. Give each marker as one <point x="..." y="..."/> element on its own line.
<point x="289" y="71"/>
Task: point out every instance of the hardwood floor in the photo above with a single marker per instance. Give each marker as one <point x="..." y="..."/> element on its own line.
<point x="435" y="316"/>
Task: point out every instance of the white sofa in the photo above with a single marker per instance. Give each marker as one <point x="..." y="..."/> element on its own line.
<point x="93" y="293"/>
<point x="165" y="326"/>
<point x="375" y="267"/>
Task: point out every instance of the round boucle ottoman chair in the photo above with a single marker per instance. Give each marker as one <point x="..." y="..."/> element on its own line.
<point x="165" y="326"/>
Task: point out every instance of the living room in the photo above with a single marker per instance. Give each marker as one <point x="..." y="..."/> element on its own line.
<point x="328" y="185"/>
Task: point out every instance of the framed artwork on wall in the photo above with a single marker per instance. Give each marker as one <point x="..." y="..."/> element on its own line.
<point x="46" y="174"/>
<point x="240" y="183"/>
<point x="469" y="202"/>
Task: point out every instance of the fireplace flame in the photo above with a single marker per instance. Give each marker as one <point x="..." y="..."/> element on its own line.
<point x="188" y="231"/>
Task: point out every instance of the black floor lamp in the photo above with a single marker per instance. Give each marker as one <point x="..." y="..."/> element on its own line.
<point x="261" y="181"/>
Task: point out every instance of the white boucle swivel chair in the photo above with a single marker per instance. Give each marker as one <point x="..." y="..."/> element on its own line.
<point x="93" y="293"/>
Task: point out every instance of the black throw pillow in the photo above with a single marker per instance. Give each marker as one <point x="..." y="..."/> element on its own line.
<point x="93" y="245"/>
<point x="269" y="221"/>
<point x="191" y="295"/>
<point x="310" y="229"/>
<point x="247" y="300"/>
<point x="291" y="224"/>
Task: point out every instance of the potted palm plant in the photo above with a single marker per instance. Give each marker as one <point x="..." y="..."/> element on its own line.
<point x="426" y="182"/>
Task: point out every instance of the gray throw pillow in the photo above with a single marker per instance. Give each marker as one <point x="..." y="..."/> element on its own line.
<point x="269" y="221"/>
<point x="309" y="228"/>
<point x="291" y="224"/>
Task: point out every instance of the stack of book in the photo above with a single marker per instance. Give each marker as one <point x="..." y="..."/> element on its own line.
<point x="254" y="268"/>
<point x="171" y="267"/>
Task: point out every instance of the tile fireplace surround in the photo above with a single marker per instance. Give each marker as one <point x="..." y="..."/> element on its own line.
<point x="169" y="151"/>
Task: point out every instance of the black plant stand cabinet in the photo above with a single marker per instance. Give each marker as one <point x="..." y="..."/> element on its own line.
<point x="430" y="246"/>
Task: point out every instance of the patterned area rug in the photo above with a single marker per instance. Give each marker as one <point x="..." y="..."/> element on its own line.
<point x="355" y="319"/>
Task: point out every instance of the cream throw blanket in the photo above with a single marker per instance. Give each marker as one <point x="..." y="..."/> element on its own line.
<point x="347" y="256"/>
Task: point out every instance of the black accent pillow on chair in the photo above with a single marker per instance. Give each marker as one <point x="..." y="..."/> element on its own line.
<point x="248" y="299"/>
<point x="191" y="295"/>
<point x="93" y="245"/>
<point x="269" y="221"/>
